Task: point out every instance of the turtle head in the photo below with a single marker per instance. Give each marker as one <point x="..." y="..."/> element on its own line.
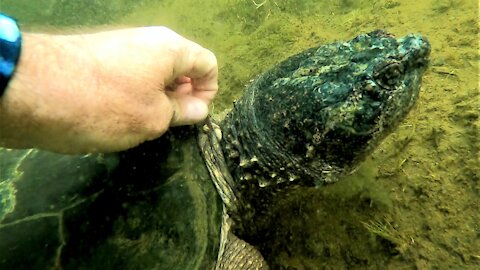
<point x="318" y="114"/>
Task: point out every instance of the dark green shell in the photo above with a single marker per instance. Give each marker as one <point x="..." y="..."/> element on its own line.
<point x="153" y="207"/>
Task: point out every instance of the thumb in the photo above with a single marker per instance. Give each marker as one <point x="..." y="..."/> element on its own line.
<point x="187" y="110"/>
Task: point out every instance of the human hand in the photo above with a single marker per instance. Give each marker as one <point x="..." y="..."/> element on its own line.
<point x="107" y="91"/>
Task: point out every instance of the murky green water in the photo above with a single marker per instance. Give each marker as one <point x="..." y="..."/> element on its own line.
<point x="414" y="205"/>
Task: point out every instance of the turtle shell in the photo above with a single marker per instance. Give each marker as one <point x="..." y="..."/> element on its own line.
<point x="152" y="207"/>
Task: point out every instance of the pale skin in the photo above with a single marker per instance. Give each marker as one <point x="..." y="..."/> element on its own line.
<point x="105" y="92"/>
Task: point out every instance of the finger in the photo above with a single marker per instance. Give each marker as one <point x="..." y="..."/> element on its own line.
<point x="184" y="89"/>
<point x="200" y="65"/>
<point x="183" y="79"/>
<point x="187" y="109"/>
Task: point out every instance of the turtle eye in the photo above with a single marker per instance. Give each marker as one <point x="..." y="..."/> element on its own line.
<point x="389" y="74"/>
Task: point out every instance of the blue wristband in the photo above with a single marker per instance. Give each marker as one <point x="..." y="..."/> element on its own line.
<point x="10" y="47"/>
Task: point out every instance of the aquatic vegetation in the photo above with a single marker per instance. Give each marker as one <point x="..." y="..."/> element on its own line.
<point x="385" y="230"/>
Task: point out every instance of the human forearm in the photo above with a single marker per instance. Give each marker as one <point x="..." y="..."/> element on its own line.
<point x="48" y="71"/>
<point x="106" y="91"/>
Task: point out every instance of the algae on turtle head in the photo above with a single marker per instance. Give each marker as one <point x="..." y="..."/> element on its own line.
<point x="318" y="114"/>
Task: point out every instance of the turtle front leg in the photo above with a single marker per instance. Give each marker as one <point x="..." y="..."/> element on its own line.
<point x="239" y="255"/>
<point x="236" y="254"/>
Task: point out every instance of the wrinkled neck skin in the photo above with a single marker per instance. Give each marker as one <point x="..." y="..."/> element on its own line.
<point x="265" y="143"/>
<point x="255" y="158"/>
<point x="263" y="171"/>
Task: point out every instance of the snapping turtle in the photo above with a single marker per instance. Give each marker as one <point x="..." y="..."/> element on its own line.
<point x="200" y="197"/>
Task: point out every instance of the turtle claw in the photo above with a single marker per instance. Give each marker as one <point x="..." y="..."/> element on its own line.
<point x="211" y="126"/>
<point x="218" y="131"/>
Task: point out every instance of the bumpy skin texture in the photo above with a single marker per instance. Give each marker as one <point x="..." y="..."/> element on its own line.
<point x="316" y="115"/>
